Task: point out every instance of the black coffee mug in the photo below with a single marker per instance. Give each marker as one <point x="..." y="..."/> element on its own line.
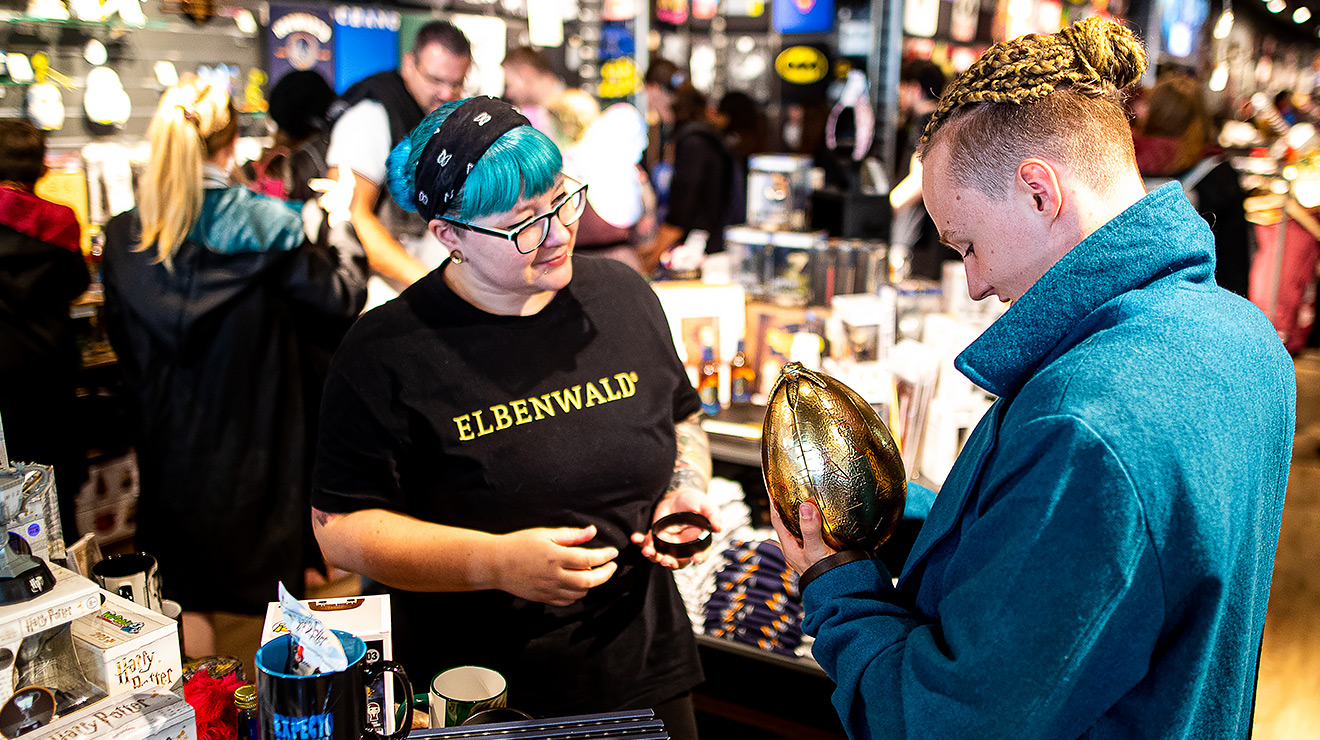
<point x="323" y="706"/>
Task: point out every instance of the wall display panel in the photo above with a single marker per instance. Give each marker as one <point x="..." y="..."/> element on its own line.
<point x="367" y="41"/>
<point x="299" y="38"/>
<point x="803" y="16"/>
<point x="1180" y="23"/>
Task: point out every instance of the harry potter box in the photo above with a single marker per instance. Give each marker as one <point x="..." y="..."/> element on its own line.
<point x="124" y="647"/>
<point x="150" y="714"/>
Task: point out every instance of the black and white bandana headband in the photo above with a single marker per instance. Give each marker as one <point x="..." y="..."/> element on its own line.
<point x="454" y="148"/>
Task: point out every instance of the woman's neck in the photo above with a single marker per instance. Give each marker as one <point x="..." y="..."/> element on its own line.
<point x="491" y="299"/>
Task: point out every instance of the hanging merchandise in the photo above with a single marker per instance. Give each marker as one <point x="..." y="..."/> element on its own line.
<point x="545" y="24"/>
<point x="254" y="99"/>
<point x="614" y="10"/>
<point x="105" y="101"/>
<point x="671" y="11"/>
<point x="966" y="16"/>
<point x="803" y="16"/>
<point x="921" y="17"/>
<point x="20" y="69"/>
<point x="852" y="120"/>
<point x="45" y="104"/>
<point x="48" y="9"/>
<point x="704" y="9"/>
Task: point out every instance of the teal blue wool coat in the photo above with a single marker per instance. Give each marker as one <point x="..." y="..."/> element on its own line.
<point x="1098" y="561"/>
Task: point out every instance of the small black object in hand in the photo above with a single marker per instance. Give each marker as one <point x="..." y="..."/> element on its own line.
<point x="681" y="544"/>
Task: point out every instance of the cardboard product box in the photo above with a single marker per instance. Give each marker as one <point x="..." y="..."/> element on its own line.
<point x="124" y="647"/>
<point x="368" y="617"/>
<point x="151" y="714"/>
<point x="72" y="597"/>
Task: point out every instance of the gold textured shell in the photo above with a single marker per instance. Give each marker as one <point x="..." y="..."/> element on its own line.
<point x="823" y="443"/>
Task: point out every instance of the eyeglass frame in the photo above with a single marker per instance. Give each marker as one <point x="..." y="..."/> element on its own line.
<point x="512" y="234"/>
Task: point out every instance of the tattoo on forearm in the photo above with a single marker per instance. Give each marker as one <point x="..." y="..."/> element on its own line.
<point x="692" y="464"/>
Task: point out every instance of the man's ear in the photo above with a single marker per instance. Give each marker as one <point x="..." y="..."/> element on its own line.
<point x="1038" y="182"/>
<point x="446" y="233"/>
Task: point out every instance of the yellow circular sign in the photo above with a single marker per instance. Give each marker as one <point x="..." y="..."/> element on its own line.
<point x="802" y="65"/>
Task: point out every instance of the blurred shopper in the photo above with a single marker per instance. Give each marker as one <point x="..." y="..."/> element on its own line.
<point x="745" y="130"/>
<point x="41" y="272"/>
<point x="1097" y="564"/>
<point x="531" y="83"/>
<point x="1283" y="103"/>
<point x="299" y="105"/>
<point x="219" y="308"/>
<point x="661" y="82"/>
<point x="921" y="83"/>
<point x="604" y="150"/>
<point x="489" y="515"/>
<point x="699" y="190"/>
<point x="1177" y="143"/>
<point x="377" y="113"/>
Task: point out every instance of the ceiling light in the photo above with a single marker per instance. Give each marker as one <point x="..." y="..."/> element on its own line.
<point x="1224" y="25"/>
<point x="1302" y="15"/>
<point x="1276" y="6"/>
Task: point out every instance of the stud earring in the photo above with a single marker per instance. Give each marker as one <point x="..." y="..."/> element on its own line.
<point x="456" y="257"/>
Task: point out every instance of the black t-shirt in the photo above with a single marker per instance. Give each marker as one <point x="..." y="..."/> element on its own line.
<point x="438" y="410"/>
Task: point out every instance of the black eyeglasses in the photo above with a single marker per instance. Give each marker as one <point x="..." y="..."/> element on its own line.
<point x="529" y="235"/>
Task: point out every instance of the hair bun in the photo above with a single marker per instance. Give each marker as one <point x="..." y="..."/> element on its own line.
<point x="1110" y="49"/>
<point x="401" y="174"/>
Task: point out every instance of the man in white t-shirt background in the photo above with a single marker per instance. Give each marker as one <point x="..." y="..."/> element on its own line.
<point x="377" y="113"/>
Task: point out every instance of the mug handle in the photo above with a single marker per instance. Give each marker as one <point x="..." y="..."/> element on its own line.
<point x="403" y="724"/>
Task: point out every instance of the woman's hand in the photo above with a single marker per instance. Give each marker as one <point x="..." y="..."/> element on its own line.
<point x="548" y="566"/>
<point x="683" y="499"/>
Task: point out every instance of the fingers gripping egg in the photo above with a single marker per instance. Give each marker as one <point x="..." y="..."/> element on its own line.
<point x="823" y="443"/>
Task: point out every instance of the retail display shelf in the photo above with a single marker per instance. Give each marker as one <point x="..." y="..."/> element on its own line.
<point x="112" y="24"/>
<point x="806" y="665"/>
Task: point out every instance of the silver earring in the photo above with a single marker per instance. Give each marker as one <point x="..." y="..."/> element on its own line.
<point x="456" y="257"/>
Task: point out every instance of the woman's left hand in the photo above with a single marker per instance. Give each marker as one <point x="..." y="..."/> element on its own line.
<point x="684" y="499"/>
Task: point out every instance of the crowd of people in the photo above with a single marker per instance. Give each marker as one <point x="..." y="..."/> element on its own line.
<point x="414" y="341"/>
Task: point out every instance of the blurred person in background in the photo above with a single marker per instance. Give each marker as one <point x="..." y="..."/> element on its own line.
<point x="299" y="105"/>
<point x="377" y="113"/>
<point x="698" y="193"/>
<point x="1177" y="141"/>
<point x="746" y="132"/>
<point x="221" y="312"/>
<point x="531" y="83"/>
<point x="604" y="150"/>
<point x="41" y="272"/>
<point x="921" y="83"/>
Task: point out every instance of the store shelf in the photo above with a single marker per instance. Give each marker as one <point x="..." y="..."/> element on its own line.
<point x="803" y="665"/>
<point x="11" y="18"/>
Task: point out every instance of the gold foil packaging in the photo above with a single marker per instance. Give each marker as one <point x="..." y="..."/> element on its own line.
<point x="823" y="443"/>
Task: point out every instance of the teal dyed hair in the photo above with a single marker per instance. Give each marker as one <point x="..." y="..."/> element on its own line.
<point x="521" y="163"/>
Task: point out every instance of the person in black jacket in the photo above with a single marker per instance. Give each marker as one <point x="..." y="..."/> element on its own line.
<point x="1177" y="142"/>
<point x="41" y="272"/>
<point x="223" y="316"/>
<point x="373" y="116"/>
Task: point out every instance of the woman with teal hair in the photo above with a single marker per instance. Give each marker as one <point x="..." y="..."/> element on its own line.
<point x="497" y="442"/>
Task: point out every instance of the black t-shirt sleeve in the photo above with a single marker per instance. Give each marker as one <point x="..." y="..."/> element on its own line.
<point x="357" y="451"/>
<point x="699" y="192"/>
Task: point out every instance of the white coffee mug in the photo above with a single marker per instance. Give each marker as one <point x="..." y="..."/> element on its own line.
<point x="133" y="577"/>
<point x="458" y="693"/>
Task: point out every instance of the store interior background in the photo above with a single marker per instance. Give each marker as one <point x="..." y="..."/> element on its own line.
<point x="602" y="47"/>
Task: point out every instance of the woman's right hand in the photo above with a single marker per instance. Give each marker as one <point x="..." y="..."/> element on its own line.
<point x="549" y="566"/>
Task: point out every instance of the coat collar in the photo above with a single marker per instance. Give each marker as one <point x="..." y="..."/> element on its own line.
<point x="1158" y="236"/>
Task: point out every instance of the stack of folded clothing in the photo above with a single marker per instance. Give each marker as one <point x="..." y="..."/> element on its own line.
<point x="756" y="600"/>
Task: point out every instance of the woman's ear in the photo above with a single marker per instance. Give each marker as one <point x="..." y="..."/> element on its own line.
<point x="445" y="233"/>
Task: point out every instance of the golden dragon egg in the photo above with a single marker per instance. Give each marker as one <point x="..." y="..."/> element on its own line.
<point x="821" y="442"/>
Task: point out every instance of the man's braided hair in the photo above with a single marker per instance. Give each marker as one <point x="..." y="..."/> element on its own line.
<point x="1049" y="90"/>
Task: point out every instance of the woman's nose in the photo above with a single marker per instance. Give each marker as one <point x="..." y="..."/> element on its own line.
<point x="559" y="234"/>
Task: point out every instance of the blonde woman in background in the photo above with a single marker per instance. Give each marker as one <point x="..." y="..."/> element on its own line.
<point x="223" y="314"/>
